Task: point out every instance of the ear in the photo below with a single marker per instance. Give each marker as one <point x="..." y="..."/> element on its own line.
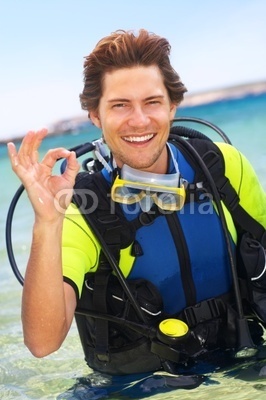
<point x="95" y="119"/>
<point x="173" y="111"/>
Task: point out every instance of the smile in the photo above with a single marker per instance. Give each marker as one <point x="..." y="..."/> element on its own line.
<point x="138" y="138"/>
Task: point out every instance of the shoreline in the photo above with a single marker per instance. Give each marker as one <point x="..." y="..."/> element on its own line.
<point x="190" y="100"/>
<point x="227" y="93"/>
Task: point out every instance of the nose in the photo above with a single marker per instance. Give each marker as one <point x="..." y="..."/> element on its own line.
<point x="138" y="118"/>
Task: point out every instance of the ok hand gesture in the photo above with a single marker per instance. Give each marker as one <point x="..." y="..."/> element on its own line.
<point x="49" y="194"/>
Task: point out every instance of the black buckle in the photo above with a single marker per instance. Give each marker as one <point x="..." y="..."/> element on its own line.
<point x="198" y="194"/>
<point x="227" y="193"/>
<point x="202" y="312"/>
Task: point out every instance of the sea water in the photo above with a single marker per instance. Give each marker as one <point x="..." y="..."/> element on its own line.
<point x="64" y="374"/>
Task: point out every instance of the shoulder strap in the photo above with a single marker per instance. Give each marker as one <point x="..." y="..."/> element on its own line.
<point x="214" y="160"/>
<point x="92" y="196"/>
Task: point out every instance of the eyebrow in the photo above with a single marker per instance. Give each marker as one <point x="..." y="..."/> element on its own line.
<point x="127" y="100"/>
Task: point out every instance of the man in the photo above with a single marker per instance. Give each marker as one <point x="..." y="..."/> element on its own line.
<point x="180" y="256"/>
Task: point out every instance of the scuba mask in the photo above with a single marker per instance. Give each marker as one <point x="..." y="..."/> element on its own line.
<point x="167" y="191"/>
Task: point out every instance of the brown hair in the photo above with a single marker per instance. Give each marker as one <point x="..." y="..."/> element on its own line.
<point x="124" y="49"/>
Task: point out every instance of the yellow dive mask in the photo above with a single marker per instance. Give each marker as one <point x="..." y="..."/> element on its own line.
<point x="147" y="188"/>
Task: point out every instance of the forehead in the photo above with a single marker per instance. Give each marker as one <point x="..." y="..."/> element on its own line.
<point x="130" y="80"/>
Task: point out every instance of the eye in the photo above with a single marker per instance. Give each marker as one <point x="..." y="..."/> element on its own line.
<point x="153" y="102"/>
<point x="119" y="105"/>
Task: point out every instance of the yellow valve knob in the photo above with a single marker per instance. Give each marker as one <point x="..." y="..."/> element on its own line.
<point x="173" y="327"/>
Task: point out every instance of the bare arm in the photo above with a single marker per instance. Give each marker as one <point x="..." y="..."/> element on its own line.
<point x="48" y="304"/>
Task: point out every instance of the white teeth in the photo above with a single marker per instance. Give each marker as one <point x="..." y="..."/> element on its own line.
<point x="138" y="138"/>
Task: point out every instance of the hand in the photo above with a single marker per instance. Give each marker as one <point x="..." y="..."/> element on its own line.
<point x="49" y="194"/>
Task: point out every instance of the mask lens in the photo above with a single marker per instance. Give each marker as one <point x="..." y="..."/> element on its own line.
<point x="170" y="201"/>
<point x="123" y="194"/>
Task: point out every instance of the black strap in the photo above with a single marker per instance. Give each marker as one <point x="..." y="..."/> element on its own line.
<point x="184" y="258"/>
<point x="101" y="279"/>
<point x="92" y="196"/>
<point x="214" y="160"/>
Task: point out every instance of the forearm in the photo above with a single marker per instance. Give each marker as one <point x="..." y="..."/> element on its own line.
<point x="44" y="316"/>
<point x="48" y="304"/>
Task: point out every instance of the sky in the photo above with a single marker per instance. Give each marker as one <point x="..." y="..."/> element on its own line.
<point x="43" y="43"/>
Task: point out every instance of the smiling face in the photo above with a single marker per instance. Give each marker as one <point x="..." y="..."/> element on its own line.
<point x="135" y="115"/>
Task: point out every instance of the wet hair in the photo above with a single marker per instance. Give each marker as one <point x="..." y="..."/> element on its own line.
<point x="124" y="49"/>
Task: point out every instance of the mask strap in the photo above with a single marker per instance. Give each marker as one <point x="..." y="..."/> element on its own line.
<point x="173" y="159"/>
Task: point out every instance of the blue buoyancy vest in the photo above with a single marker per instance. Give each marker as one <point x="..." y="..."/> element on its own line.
<point x="200" y="234"/>
<point x="185" y="255"/>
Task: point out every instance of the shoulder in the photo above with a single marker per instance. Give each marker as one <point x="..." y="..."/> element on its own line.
<point x="237" y="167"/>
<point x="245" y="181"/>
<point x="230" y="153"/>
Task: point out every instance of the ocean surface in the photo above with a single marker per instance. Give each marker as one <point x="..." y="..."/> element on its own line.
<point x="64" y="375"/>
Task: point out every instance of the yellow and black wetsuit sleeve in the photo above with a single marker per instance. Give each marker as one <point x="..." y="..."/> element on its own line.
<point x="245" y="181"/>
<point x="80" y="249"/>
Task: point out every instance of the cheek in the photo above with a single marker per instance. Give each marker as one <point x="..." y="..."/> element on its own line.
<point x="109" y="125"/>
<point x="109" y="138"/>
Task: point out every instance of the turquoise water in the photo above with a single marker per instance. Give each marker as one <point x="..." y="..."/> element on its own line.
<point x="64" y="375"/>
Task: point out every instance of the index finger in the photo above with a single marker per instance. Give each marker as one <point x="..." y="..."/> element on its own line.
<point x="31" y="142"/>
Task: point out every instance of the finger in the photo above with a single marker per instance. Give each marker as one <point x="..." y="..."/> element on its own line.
<point x="54" y="155"/>
<point x="30" y="145"/>
<point x="17" y="166"/>
<point x="72" y="167"/>
<point x="12" y="153"/>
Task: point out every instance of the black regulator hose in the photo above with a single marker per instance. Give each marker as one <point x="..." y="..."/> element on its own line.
<point x="9" y="245"/>
<point x="192" y="133"/>
<point x="79" y="150"/>
<point x="246" y="346"/>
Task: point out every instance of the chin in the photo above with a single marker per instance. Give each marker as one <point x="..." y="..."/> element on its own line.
<point x="139" y="164"/>
<point x="135" y="162"/>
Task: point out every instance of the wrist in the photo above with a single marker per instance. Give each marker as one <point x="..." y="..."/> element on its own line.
<point x="50" y="224"/>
